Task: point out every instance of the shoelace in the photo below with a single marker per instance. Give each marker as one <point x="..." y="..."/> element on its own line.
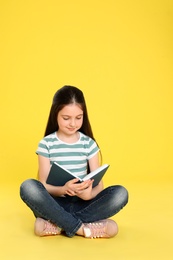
<point x="50" y="228"/>
<point x="94" y="230"/>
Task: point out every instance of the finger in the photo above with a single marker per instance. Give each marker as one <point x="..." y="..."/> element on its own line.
<point x="70" y="192"/>
<point x="74" y="181"/>
<point x="88" y="183"/>
<point x="81" y="187"/>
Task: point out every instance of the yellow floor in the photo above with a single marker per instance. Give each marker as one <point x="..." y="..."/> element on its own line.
<point x="145" y="229"/>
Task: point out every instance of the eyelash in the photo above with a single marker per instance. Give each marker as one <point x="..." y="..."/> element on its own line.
<point x="69" y="118"/>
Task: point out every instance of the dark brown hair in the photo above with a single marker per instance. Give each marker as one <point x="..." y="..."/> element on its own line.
<point x="65" y="96"/>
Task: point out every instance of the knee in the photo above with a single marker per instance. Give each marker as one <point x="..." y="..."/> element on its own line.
<point x="124" y="194"/>
<point x="121" y="195"/>
<point x="28" y="188"/>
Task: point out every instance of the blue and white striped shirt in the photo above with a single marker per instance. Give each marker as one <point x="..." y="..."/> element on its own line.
<point x="73" y="156"/>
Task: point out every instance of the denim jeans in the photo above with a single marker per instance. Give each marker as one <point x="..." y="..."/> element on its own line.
<point x="68" y="212"/>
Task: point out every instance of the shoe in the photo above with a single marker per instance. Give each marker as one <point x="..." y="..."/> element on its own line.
<point x="45" y="228"/>
<point x="103" y="229"/>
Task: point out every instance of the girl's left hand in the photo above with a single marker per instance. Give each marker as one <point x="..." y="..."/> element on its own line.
<point x="84" y="190"/>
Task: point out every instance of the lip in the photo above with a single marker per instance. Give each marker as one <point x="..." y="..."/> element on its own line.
<point x="71" y="129"/>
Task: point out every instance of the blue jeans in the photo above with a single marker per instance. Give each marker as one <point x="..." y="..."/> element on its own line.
<point x="68" y="212"/>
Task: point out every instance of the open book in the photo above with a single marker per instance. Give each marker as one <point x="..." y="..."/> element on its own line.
<point x="58" y="176"/>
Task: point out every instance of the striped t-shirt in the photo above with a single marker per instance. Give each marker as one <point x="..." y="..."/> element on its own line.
<point x="73" y="156"/>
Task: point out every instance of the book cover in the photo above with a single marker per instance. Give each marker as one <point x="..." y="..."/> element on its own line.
<point x="58" y="176"/>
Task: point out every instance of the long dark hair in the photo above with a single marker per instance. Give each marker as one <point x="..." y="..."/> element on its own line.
<point x="65" y="96"/>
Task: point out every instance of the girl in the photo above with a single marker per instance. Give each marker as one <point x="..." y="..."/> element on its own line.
<point x="75" y="208"/>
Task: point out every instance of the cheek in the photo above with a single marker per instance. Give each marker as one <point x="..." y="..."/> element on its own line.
<point x="60" y="122"/>
<point x="81" y="122"/>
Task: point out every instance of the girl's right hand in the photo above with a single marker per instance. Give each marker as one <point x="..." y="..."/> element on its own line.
<point x="75" y="188"/>
<point x="70" y="187"/>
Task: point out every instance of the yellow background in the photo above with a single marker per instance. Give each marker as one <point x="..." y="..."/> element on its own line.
<point x="119" y="53"/>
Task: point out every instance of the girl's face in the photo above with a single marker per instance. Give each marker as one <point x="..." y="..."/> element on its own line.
<point x="70" y="119"/>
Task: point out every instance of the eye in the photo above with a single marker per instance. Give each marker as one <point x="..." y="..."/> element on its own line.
<point x="65" y="118"/>
<point x="79" y="117"/>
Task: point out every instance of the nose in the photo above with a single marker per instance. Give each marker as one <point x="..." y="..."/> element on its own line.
<point x="72" y="122"/>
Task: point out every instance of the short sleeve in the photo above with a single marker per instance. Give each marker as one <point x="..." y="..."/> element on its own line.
<point x="43" y="149"/>
<point x="92" y="148"/>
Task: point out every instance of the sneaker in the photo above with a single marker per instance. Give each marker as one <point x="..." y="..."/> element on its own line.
<point x="103" y="229"/>
<point x="45" y="228"/>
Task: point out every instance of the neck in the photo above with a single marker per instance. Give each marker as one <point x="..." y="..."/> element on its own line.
<point x="68" y="138"/>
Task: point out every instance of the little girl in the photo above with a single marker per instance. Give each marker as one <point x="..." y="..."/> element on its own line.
<point x="75" y="208"/>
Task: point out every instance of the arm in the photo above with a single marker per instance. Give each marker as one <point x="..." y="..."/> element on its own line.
<point x="43" y="171"/>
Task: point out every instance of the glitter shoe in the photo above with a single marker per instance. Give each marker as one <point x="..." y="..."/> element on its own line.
<point x="45" y="228"/>
<point x="102" y="229"/>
